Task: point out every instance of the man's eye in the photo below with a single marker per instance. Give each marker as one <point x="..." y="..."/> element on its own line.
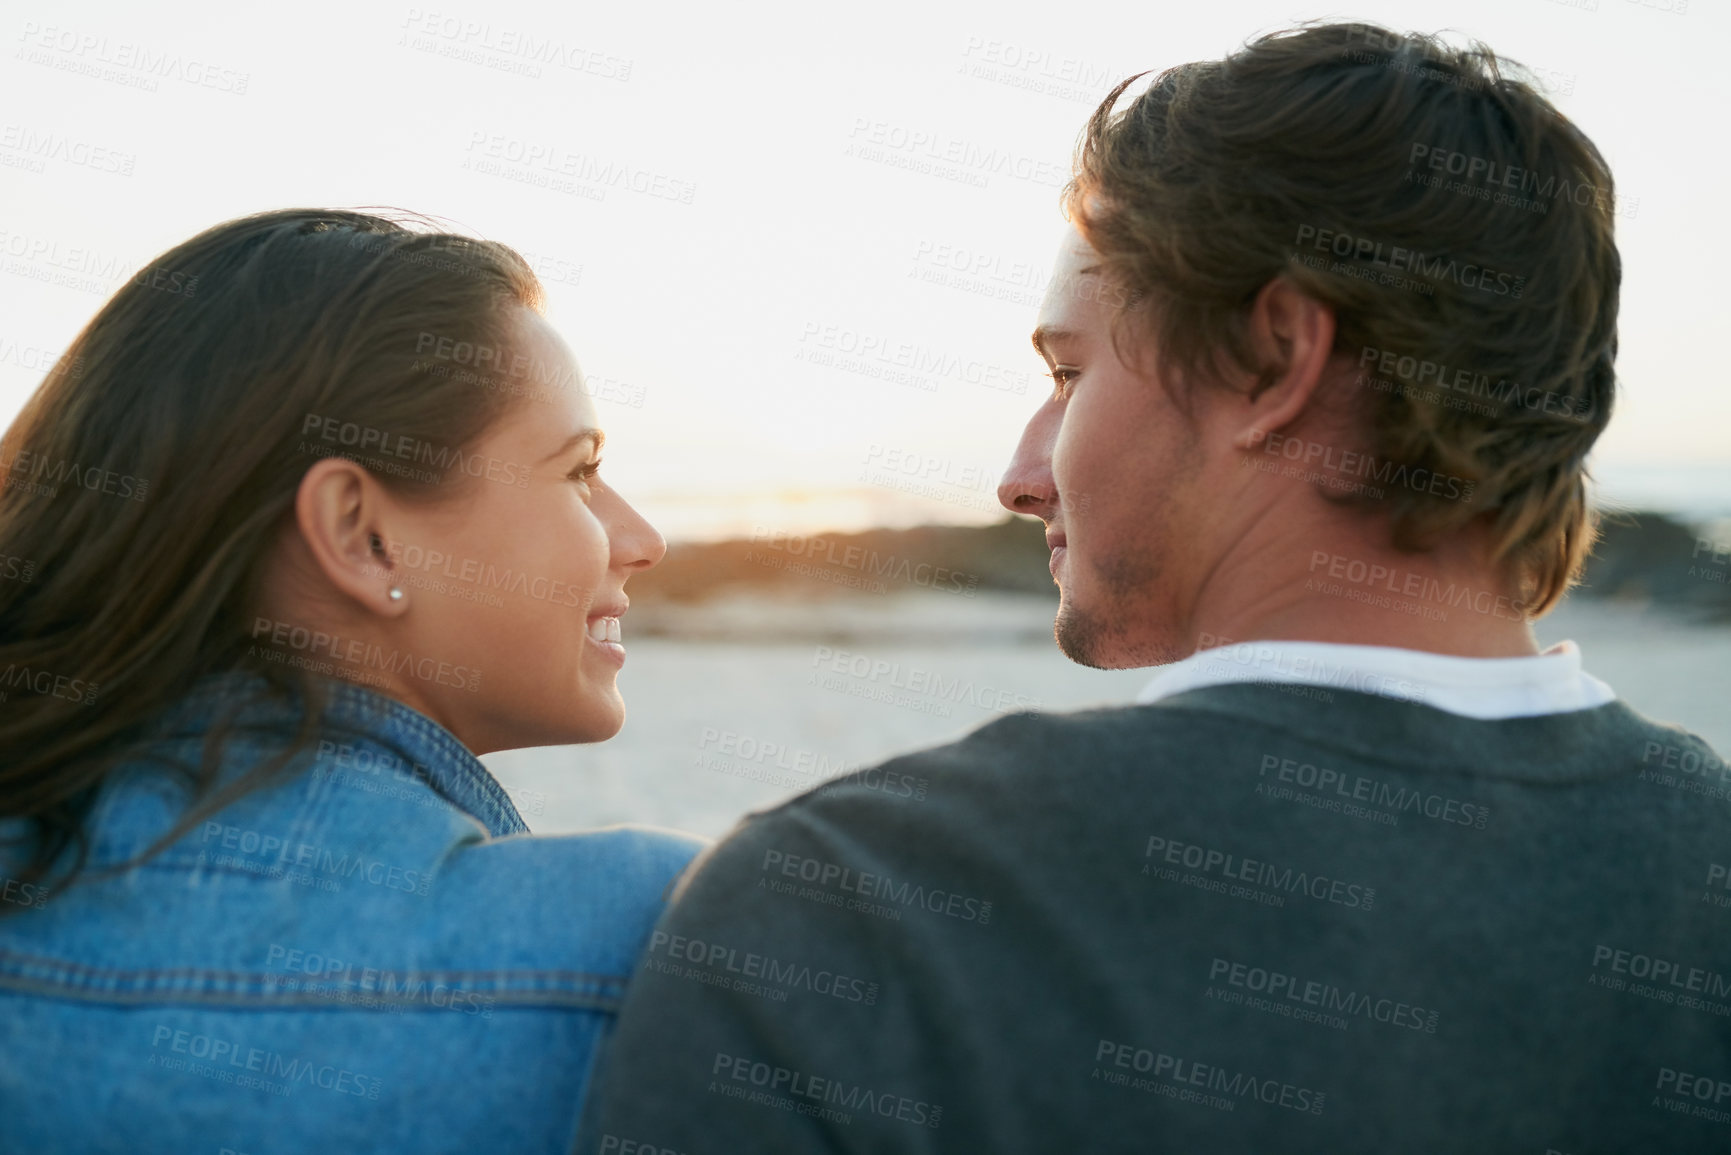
<point x="1061" y="377"/>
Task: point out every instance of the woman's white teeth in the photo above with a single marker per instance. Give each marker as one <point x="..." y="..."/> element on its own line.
<point x="604" y="630"/>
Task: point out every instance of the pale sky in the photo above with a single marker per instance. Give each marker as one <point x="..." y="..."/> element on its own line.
<point x="785" y="230"/>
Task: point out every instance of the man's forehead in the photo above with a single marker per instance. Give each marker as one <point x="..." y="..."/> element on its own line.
<point x="1073" y="272"/>
<point x="1076" y="257"/>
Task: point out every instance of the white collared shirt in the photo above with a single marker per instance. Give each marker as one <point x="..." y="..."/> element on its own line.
<point x="1548" y="683"/>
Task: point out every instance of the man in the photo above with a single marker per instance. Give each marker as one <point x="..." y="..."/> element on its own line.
<point x="1366" y="871"/>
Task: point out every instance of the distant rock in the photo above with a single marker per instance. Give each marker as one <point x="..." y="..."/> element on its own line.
<point x="1641" y="557"/>
<point x="1009" y="556"/>
<point x="1650" y="557"/>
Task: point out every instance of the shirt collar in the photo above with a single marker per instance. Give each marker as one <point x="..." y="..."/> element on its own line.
<point x="1551" y="682"/>
<point x="439" y="759"/>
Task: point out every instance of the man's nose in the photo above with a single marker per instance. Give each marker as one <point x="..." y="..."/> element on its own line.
<point x="1027" y="485"/>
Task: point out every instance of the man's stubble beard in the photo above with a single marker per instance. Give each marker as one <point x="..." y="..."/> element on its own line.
<point x="1124" y="626"/>
<point x="1110" y="638"/>
<point x="1080" y="636"/>
<point x="1129" y="621"/>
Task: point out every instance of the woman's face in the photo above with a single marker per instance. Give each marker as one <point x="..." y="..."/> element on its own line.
<point x="514" y="587"/>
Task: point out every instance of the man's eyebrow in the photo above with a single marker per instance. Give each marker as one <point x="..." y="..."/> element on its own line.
<point x="1047" y="333"/>
<point x="575" y="439"/>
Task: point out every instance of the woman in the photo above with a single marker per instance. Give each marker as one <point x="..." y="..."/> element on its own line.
<point x="307" y="518"/>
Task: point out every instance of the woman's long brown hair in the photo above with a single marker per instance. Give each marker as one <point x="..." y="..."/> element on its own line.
<point x="148" y="476"/>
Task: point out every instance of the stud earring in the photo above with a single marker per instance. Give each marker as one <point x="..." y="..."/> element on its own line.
<point x="396" y="594"/>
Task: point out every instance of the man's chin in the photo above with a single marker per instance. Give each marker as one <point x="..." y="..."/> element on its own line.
<point x="1108" y="641"/>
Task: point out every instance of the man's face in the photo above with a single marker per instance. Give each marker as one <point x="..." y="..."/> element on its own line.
<point x="1114" y="469"/>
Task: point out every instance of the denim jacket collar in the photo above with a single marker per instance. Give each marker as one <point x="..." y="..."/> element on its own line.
<point x="438" y="758"/>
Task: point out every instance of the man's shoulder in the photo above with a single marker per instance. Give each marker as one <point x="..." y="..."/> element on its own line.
<point x="1021" y="753"/>
<point x="957" y="810"/>
<point x="1026" y="762"/>
<point x="1228" y="758"/>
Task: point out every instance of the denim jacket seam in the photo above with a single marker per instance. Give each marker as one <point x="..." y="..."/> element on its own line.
<point x="64" y="973"/>
<point x="605" y="1000"/>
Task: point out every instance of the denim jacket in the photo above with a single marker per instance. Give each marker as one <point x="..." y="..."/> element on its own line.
<point x="372" y="955"/>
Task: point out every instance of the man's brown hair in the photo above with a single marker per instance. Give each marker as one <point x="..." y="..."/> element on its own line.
<point x="1458" y="226"/>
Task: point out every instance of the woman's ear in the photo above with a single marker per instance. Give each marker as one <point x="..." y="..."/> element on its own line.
<point x="343" y="512"/>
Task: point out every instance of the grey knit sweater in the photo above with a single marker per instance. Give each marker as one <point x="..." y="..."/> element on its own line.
<point x="1234" y="920"/>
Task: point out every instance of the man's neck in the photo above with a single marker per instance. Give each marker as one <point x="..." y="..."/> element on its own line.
<point x="1334" y="587"/>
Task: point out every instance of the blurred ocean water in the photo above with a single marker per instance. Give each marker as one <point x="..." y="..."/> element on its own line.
<point x="757" y="712"/>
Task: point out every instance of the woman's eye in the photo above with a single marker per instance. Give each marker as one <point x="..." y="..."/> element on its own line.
<point x="583" y="473"/>
<point x="1061" y="377"/>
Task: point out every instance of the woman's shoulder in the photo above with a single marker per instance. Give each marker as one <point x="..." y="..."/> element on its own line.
<point x="384" y="843"/>
<point x="599" y="890"/>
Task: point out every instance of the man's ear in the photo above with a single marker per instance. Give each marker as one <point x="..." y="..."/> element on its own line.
<point x="342" y="511"/>
<point x="1292" y="338"/>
